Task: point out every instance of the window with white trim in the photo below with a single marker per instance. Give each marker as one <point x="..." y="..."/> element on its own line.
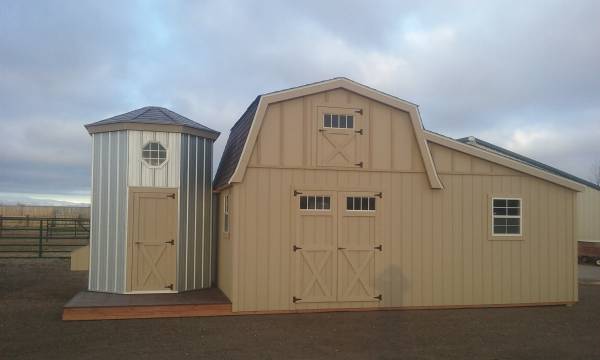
<point x="226" y="213"/>
<point x="338" y="121"/>
<point x="360" y="203"/>
<point x="506" y="216"/>
<point x="154" y="154"/>
<point x="315" y="202"/>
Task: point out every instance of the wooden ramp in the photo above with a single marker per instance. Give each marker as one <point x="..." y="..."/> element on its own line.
<point x="88" y="305"/>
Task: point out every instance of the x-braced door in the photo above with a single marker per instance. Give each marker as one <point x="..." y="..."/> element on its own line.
<point x="336" y="246"/>
<point x="339" y="137"/>
<point x="153" y="250"/>
<point x="314" y="251"/>
<point x="357" y="246"/>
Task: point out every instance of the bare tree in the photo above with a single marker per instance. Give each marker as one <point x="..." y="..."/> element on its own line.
<point x="596" y="172"/>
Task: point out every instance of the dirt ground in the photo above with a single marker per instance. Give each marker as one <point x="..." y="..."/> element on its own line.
<point x="32" y="293"/>
<point x="589" y="274"/>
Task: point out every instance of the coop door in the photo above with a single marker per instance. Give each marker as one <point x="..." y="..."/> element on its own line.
<point x="338" y="137"/>
<point x="314" y="250"/>
<point x="357" y="246"/>
<point x="153" y="249"/>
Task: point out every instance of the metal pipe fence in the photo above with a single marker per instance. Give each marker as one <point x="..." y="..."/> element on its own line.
<point x="39" y="237"/>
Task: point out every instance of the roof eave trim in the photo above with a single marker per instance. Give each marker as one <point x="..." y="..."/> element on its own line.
<point x="209" y="134"/>
<point x="328" y="85"/>
<point x="504" y="161"/>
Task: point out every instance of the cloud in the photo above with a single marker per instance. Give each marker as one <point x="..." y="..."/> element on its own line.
<point x="522" y="78"/>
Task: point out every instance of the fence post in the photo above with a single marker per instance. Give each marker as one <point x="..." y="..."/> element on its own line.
<point x="1" y="225"/>
<point x="76" y="226"/>
<point x="40" y="240"/>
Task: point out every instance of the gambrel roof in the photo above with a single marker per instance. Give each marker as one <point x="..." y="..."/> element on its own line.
<point x="245" y="131"/>
<point x="235" y="146"/>
<point x="244" y="134"/>
<point x="152" y="118"/>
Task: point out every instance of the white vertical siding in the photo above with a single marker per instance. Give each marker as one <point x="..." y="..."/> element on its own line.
<point x="109" y="205"/>
<point x="139" y="173"/>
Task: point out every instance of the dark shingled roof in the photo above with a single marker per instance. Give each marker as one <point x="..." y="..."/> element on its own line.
<point x="153" y="115"/>
<point x="514" y="156"/>
<point x="235" y="146"/>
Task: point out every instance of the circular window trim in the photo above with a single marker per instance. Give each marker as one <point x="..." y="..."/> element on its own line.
<point x="144" y="160"/>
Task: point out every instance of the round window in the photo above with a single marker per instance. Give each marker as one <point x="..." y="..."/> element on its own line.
<point x="154" y="154"/>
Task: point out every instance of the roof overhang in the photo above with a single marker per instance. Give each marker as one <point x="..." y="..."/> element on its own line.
<point x="502" y="160"/>
<point x="92" y="129"/>
<point x="337" y="83"/>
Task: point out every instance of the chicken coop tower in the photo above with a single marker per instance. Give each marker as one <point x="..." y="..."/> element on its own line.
<point x="151" y="205"/>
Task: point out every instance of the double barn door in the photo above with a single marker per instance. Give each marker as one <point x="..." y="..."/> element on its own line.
<point x="335" y="246"/>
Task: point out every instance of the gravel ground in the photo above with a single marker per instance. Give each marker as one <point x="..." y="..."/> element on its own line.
<point x="32" y="293"/>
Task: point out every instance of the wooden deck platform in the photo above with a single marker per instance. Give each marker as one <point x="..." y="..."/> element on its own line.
<point x="88" y="305"/>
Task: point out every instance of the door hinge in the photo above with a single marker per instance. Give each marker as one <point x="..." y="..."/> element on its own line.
<point x="360" y="164"/>
<point x="172" y="242"/>
<point x="296" y="248"/>
<point x="359" y="131"/>
<point x="359" y="111"/>
<point x="378" y="297"/>
<point x="170" y="286"/>
<point x="172" y="196"/>
<point x="379" y="247"/>
<point x="295" y="299"/>
<point x="296" y="193"/>
<point x="379" y="195"/>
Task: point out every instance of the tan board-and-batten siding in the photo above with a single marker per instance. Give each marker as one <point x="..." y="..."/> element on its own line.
<point x="588" y="215"/>
<point x="437" y="251"/>
<point x="437" y="248"/>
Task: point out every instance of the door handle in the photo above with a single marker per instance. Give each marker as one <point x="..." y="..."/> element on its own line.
<point x="341" y="248"/>
<point x="172" y="242"/>
<point x="172" y="196"/>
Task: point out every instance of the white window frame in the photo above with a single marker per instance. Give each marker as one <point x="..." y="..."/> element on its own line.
<point x="315" y="196"/>
<point x="361" y="210"/>
<point x="226" y="218"/>
<point x="520" y="216"/>
<point x="144" y="160"/>
<point x="338" y="114"/>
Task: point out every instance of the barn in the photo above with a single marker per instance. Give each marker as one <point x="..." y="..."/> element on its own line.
<point x="333" y="196"/>
<point x="151" y="203"/>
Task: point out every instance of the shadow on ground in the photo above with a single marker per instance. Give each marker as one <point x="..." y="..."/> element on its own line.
<point x="32" y="293"/>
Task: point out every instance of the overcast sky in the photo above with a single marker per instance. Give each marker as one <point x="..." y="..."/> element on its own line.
<point x="526" y="77"/>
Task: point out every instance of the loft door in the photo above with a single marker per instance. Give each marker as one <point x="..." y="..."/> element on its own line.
<point x="338" y="138"/>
